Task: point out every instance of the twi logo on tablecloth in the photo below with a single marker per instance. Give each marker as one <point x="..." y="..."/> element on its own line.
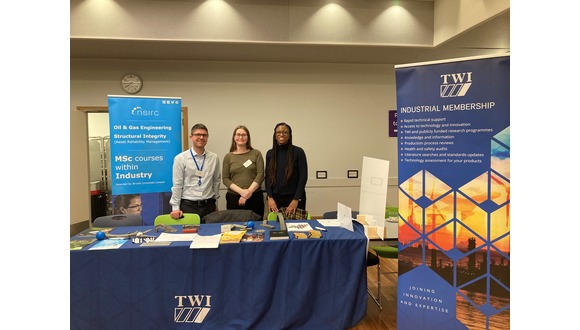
<point x="191" y="308"/>
<point x="455" y="84"/>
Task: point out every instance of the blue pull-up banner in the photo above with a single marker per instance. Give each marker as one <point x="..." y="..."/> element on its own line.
<point x="145" y="136"/>
<point x="454" y="194"/>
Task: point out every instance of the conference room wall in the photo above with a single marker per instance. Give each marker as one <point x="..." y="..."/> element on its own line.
<point x="338" y="113"/>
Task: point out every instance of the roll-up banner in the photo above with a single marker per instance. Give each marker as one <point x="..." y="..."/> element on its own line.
<point x="145" y="137"/>
<point x="454" y="193"/>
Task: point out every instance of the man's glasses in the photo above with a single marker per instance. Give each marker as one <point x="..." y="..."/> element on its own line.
<point x="282" y="132"/>
<point x="138" y="206"/>
<point x="199" y="135"/>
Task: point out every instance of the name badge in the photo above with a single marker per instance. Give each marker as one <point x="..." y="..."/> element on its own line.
<point x="248" y="163"/>
<point x="197" y="193"/>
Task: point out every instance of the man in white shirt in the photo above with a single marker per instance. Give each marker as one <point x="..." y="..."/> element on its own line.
<point x="196" y="177"/>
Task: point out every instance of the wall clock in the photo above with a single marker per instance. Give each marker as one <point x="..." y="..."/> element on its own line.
<point x="131" y="83"/>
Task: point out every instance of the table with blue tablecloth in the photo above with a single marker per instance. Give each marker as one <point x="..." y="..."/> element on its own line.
<point x="284" y="284"/>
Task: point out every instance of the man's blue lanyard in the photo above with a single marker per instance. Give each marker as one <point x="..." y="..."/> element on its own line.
<point x="197" y="166"/>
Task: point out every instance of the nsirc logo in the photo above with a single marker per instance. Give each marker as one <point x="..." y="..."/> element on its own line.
<point x="455" y="84"/>
<point x="138" y="111"/>
<point x="191" y="308"/>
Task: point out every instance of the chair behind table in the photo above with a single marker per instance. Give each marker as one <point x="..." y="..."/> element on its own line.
<point x="334" y="215"/>
<point x="188" y="219"/>
<point x="231" y="216"/>
<point x="118" y="220"/>
<point x="378" y="252"/>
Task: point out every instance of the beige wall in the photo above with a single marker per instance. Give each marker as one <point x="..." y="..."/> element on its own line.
<point x="453" y="17"/>
<point x="295" y="21"/>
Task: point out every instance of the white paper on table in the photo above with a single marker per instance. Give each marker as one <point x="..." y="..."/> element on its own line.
<point x="167" y="237"/>
<point x="206" y="242"/>
<point x="298" y="226"/>
<point x="329" y="222"/>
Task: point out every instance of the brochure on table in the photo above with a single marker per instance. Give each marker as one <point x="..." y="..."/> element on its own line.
<point x="206" y="242"/>
<point x="344" y="216"/>
<point x="298" y="226"/>
<point x="176" y="237"/>
<point x="108" y="244"/>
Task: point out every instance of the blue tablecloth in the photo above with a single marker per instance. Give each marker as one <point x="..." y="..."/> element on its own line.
<point x="288" y="284"/>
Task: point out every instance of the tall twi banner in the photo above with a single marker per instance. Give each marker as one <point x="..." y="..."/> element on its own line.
<point x="454" y="194"/>
<point x="145" y="136"/>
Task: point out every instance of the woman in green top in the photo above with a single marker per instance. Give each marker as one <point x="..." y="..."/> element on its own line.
<point x="243" y="174"/>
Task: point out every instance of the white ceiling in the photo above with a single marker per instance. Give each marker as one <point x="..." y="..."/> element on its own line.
<point x="490" y="37"/>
